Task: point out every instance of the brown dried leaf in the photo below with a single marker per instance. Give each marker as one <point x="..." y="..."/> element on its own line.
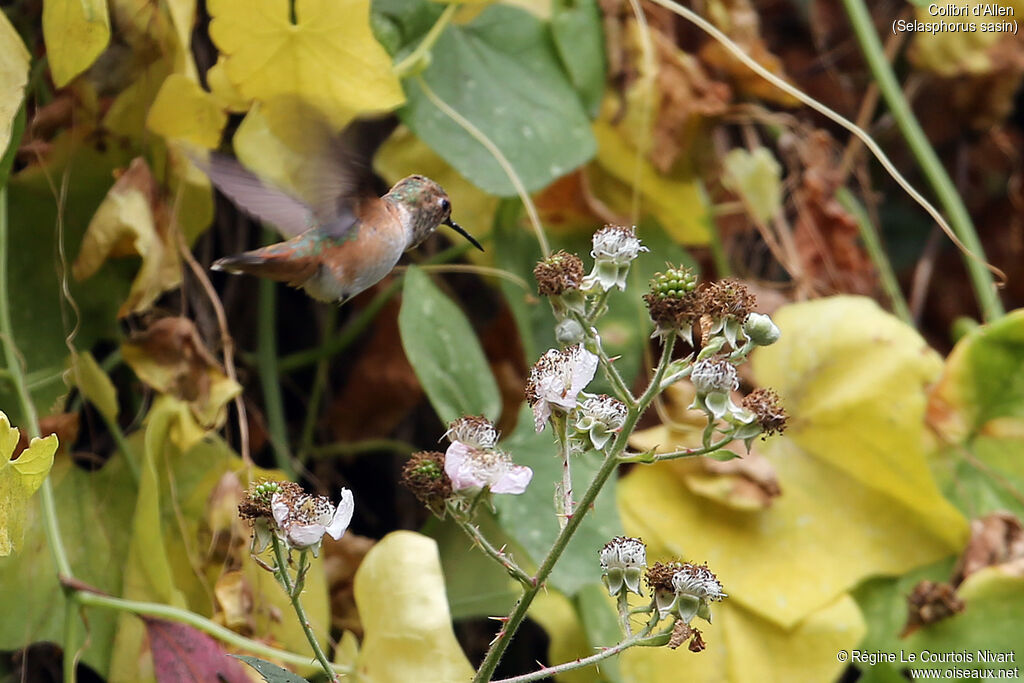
<point x="234" y="602"/>
<point x="929" y="603"/>
<point x="64" y="425"/>
<point x="996" y="539"/>
<point x="170" y="357"/>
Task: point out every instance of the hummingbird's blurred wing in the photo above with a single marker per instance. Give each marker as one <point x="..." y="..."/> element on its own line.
<point x="259" y="199"/>
<point x="338" y="173"/>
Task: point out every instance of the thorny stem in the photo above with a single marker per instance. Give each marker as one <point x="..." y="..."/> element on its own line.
<point x="608" y="467"/>
<point x="931" y="165"/>
<point x="294" y="594"/>
<point x="497" y="554"/>
<point x="674" y="455"/>
<point x="561" y="426"/>
<point x="610" y="371"/>
<point x="551" y="671"/>
<point x="622" y="604"/>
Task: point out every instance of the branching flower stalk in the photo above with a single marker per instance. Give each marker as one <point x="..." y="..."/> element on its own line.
<point x="294" y="591"/>
<point x="474" y="466"/>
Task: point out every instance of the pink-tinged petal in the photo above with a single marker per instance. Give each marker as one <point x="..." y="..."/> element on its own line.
<point x="541" y="413"/>
<point x="342" y="516"/>
<point x="458" y="467"/>
<point x="514" y="481"/>
<point x="304" y="535"/>
<point x="280" y="510"/>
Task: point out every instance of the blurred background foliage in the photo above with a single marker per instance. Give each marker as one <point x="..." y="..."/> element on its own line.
<point x="170" y="387"/>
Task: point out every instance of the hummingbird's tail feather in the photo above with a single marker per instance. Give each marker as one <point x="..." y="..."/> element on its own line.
<point x="270" y="262"/>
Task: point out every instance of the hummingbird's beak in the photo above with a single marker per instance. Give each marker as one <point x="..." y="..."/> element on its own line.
<point x="458" y="228"/>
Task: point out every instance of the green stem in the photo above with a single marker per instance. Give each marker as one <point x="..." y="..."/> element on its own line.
<point x="674" y="455"/>
<point x="877" y="254"/>
<point x="176" y="614"/>
<point x="497" y="554"/>
<point x="294" y="591"/>
<point x="319" y="384"/>
<point x="552" y="671"/>
<point x="411" y="61"/>
<point x="931" y="165"/>
<point x="608" y="467"/>
<point x="561" y="426"/>
<point x="610" y="371"/>
<point x="267" y="360"/>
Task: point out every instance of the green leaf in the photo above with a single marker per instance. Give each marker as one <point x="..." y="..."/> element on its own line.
<point x="271" y="673"/>
<point x="579" y="39"/>
<point x="444" y="352"/>
<point x="530" y="518"/>
<point x="501" y="72"/>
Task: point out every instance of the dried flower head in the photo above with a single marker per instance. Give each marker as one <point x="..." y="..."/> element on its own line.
<point x="557" y="379"/>
<point x="256" y="501"/>
<point x="622" y="561"/>
<point x="684" y="588"/>
<point x="929" y="603"/>
<point x="697" y="642"/>
<point x="473" y="430"/>
<point x="557" y="273"/>
<point x="714" y="375"/>
<point x="767" y="408"/>
<point x="302" y="519"/>
<point x="424" y="475"/>
<point x="472" y="469"/>
<point x="697" y="581"/>
<point x="600" y="417"/>
<point x="728" y="299"/>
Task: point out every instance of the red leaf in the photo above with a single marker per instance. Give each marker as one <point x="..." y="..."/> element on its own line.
<point x="181" y="654"/>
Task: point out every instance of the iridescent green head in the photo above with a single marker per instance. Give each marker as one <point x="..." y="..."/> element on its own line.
<point x="428" y="207"/>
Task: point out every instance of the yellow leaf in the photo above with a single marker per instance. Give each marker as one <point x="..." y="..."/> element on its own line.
<point x="263" y="151"/>
<point x="757" y="178"/>
<point x="743" y="647"/>
<point x="184" y="111"/>
<point x="675" y="200"/>
<point x="19" y="479"/>
<point x="94" y="384"/>
<point x="222" y="88"/>
<point x="14" y="61"/>
<point x="328" y="58"/>
<point x="857" y="496"/>
<point x="401" y="597"/>
<point x="75" y="32"/>
<point x="126" y="223"/>
<point x="960" y="52"/>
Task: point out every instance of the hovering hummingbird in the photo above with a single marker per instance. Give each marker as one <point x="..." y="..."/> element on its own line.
<point x="343" y="237"/>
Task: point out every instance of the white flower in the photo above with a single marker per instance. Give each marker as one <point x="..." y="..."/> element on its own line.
<point x="695" y="586"/>
<point x="714" y="379"/>
<point x="471" y="468"/>
<point x="302" y="520"/>
<point x="622" y="560"/>
<point x="474" y="430"/>
<point x="615" y="247"/>
<point x="557" y="379"/>
<point x="600" y="417"/>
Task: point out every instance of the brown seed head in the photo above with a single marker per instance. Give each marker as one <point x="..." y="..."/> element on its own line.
<point x="424" y="475"/>
<point x="728" y="299"/>
<point x="558" y="273"/>
<point x="765" y="404"/>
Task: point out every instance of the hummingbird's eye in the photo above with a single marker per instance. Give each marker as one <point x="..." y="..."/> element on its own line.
<point x="446" y="206"/>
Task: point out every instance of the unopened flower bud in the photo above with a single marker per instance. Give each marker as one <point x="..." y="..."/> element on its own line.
<point x="622" y="561"/>
<point x="569" y="332"/>
<point x="760" y="329"/>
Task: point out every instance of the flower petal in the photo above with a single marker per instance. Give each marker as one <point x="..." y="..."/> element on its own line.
<point x="280" y="510"/>
<point x="584" y="368"/>
<point x="304" y="535"/>
<point x="514" y="481"/>
<point x="458" y="467"/>
<point x="342" y="516"/>
<point x="541" y="413"/>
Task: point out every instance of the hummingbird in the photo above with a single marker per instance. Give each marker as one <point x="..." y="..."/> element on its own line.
<point x="342" y="237"/>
